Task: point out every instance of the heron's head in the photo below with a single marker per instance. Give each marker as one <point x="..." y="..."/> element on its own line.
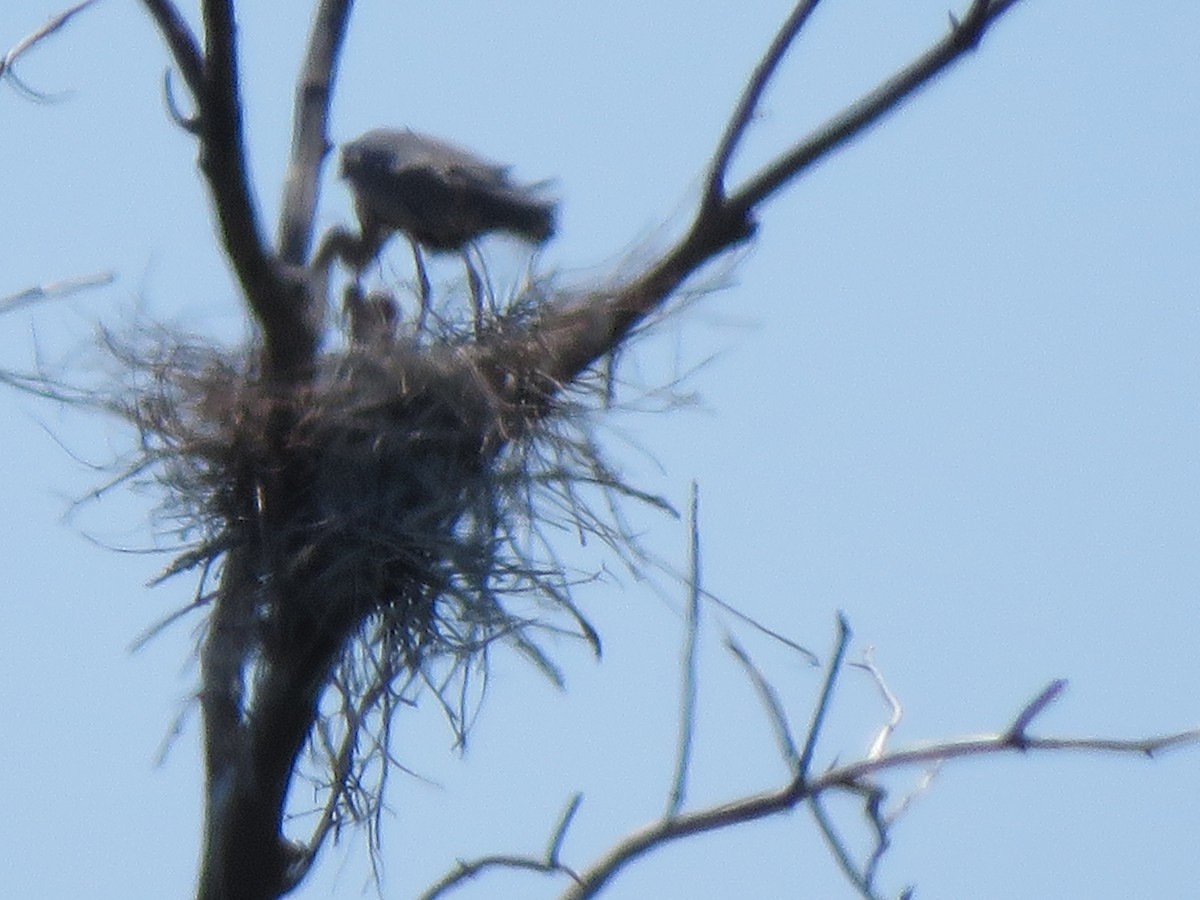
<point x="378" y="151"/>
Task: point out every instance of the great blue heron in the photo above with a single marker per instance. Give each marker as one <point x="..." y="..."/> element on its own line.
<point x="441" y="196"/>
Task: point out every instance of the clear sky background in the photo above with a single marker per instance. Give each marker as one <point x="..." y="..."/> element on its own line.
<point x="953" y="391"/>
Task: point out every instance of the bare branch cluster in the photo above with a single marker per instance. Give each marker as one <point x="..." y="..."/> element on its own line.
<point x="858" y="778"/>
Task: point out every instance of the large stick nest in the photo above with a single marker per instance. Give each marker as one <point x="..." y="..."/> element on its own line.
<point x="418" y="531"/>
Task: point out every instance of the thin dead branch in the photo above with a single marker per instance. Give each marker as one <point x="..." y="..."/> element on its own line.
<point x="10" y="59"/>
<point x="310" y="118"/>
<point x="184" y="47"/>
<point x="546" y="865"/>
<point x="841" y="642"/>
<point x="53" y="290"/>
<point x="895" y="710"/>
<point x="769" y="699"/>
<point x="687" y="700"/>
<point x="743" y="114"/>
<point x="964" y="36"/>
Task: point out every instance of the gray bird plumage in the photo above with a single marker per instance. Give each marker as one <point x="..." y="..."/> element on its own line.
<point x="440" y="195"/>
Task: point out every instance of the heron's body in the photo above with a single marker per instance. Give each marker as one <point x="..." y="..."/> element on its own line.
<point x="440" y="195"/>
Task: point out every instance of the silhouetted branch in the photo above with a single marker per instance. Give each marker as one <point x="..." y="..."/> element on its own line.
<point x="52" y="290"/>
<point x="739" y="122"/>
<point x="280" y="301"/>
<point x="185" y="50"/>
<point x="278" y="305"/>
<point x="885" y="99"/>
<point x="546" y="865"/>
<point x="190" y="124"/>
<point x="840" y="852"/>
<point x="833" y="670"/>
<point x="768" y="697"/>
<point x="853" y="776"/>
<point x="573" y="337"/>
<point x="687" y="701"/>
<point x="310" y="141"/>
<point x="467" y="870"/>
<point x="9" y="60"/>
<point x="1052" y="691"/>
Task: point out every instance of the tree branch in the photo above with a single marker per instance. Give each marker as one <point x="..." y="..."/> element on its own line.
<point x="280" y="301"/>
<point x="310" y="142"/>
<point x="885" y="99"/>
<point x="277" y="305"/>
<point x="185" y="50"/>
<point x="740" y="120"/>
<point x="62" y="288"/>
<point x="571" y="337"/>
<point x="687" y="700"/>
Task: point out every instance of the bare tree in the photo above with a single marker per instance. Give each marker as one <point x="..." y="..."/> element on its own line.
<point x="367" y="520"/>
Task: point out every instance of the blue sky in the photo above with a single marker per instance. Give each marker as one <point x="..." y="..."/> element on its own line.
<point x="952" y="390"/>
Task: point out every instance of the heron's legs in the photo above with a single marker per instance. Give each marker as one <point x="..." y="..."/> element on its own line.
<point x="475" y="286"/>
<point x="423" y="289"/>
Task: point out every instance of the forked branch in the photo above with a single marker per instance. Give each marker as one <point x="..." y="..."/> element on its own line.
<point x="278" y="299"/>
<point x="964" y="35"/>
<point x="577" y="336"/>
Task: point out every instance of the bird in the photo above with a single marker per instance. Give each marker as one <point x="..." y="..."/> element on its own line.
<point x="442" y="197"/>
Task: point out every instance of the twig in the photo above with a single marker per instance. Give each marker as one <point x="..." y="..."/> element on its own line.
<point x="822" y="707"/>
<point x="310" y="142"/>
<point x="190" y="124"/>
<point x="740" y="120"/>
<point x="560" y="831"/>
<point x="54" y="289"/>
<point x="1052" y="691"/>
<point x="687" y="701"/>
<point x="770" y="702"/>
<point x="895" y="710"/>
<point x="25" y="44"/>
<point x="1003" y="742"/>
<point x="185" y="50"/>
<point x="547" y="865"/>
<point x="472" y="869"/>
<point x="837" y="847"/>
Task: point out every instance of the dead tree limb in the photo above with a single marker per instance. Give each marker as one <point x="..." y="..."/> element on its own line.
<point x="278" y="298"/>
<point x="310" y="138"/>
<point x="570" y="338"/>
